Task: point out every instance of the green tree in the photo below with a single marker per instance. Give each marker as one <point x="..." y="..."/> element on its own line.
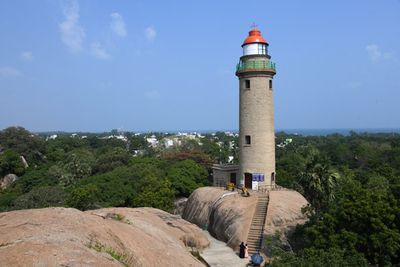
<point x="77" y="165"/>
<point x="218" y="147"/>
<point x="116" y="188"/>
<point x="111" y="159"/>
<point x="66" y="144"/>
<point x="33" y="178"/>
<point x="186" y="176"/>
<point x="318" y="182"/>
<point x="41" y="197"/>
<point x="289" y="165"/>
<point x="363" y="220"/>
<point x="197" y="156"/>
<point x="7" y="199"/>
<point x="98" y="143"/>
<point x="138" y="142"/>
<point x="333" y="257"/>
<point x="23" y="143"/>
<point x="84" y="197"/>
<point x="10" y="162"/>
<point x="190" y="144"/>
<point x="156" y="193"/>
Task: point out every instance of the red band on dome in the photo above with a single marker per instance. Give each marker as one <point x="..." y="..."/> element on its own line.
<point x="254" y="37"/>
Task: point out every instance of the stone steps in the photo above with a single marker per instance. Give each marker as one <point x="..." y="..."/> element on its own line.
<point x="255" y="235"/>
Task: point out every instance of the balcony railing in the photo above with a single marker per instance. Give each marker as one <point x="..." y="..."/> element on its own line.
<point x="255" y="65"/>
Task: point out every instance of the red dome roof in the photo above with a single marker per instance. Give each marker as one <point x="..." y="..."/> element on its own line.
<point x="254" y="37"/>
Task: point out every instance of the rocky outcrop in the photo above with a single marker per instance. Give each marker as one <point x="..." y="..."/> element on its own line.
<point x="24" y="162"/>
<point x="228" y="216"/>
<point x="284" y="211"/>
<point x="179" y="205"/>
<point x="105" y="237"/>
<point x="7" y="180"/>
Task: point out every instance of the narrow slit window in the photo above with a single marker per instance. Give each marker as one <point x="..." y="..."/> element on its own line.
<point x="248" y="140"/>
<point x="247" y="84"/>
<point x="270" y="84"/>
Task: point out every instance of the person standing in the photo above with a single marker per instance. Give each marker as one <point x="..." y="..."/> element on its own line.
<point x="241" y="250"/>
<point x="246" y="251"/>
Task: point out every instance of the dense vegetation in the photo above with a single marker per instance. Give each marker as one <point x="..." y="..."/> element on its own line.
<point x="91" y="171"/>
<point x="351" y="182"/>
<point x="353" y="185"/>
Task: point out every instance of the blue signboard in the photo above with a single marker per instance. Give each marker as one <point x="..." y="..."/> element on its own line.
<point x="258" y="177"/>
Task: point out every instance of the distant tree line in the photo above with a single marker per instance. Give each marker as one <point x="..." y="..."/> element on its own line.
<point x="93" y="172"/>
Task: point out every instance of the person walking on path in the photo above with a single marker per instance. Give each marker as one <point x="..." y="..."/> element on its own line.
<point x="246" y="251"/>
<point x="241" y="250"/>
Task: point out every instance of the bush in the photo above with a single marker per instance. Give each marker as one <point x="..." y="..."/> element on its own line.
<point x="317" y="258"/>
<point x="116" y="188"/>
<point x="6" y="200"/>
<point x="156" y="193"/>
<point x="33" y="178"/>
<point x="110" y="160"/>
<point x="41" y="197"/>
<point x="83" y="198"/>
<point x="10" y="162"/>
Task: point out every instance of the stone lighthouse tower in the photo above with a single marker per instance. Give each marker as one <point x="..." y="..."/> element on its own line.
<point x="256" y="123"/>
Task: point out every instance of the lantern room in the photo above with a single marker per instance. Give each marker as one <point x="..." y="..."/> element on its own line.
<point x="255" y="44"/>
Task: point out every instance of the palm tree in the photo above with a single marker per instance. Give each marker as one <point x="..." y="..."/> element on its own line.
<point x="318" y="182"/>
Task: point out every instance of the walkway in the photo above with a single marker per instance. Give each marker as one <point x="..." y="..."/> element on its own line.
<point x="256" y="232"/>
<point x="218" y="254"/>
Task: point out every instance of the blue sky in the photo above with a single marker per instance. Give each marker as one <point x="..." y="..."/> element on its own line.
<point x="169" y="65"/>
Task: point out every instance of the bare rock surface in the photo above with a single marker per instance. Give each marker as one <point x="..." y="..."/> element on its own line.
<point x="104" y="237"/>
<point x="284" y="211"/>
<point x="24" y="162"/>
<point x="228" y="216"/>
<point x="179" y="205"/>
<point x="7" y="180"/>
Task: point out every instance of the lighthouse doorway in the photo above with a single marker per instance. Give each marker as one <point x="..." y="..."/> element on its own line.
<point x="233" y="178"/>
<point x="248" y="180"/>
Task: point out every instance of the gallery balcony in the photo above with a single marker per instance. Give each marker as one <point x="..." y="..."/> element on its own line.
<point x="256" y="65"/>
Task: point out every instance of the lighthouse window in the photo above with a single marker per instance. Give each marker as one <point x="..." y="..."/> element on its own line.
<point x="270" y="84"/>
<point x="247" y="140"/>
<point x="261" y="49"/>
<point x="247" y="84"/>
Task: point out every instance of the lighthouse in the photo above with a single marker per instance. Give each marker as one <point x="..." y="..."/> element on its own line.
<point x="256" y="71"/>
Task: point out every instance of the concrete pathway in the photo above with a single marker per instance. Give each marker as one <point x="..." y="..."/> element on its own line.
<point x="218" y="254"/>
